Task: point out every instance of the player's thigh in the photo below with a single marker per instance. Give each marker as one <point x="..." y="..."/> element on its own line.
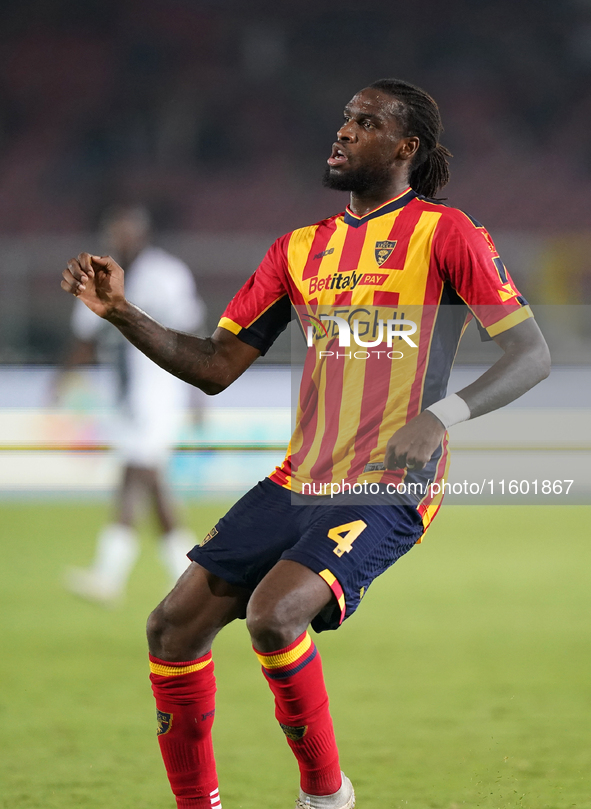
<point x="349" y="546"/>
<point x="284" y="604"/>
<point x="250" y="539"/>
<point x="185" y="623"/>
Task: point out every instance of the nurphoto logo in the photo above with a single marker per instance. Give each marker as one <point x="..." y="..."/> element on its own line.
<point x="388" y="332"/>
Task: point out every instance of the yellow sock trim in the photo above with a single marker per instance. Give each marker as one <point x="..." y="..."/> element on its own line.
<point x="273" y="661"/>
<point x="175" y="671"/>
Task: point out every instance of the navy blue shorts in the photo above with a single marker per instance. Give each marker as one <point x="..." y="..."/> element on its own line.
<point x="347" y="545"/>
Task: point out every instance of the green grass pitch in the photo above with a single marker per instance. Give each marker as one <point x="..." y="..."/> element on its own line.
<point x="463" y="680"/>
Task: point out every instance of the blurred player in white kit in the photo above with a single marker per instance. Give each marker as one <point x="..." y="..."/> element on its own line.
<point x="152" y="405"/>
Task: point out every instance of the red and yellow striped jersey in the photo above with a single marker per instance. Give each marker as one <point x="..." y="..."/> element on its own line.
<point x="382" y="300"/>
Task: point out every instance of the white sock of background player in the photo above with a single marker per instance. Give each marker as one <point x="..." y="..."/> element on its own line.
<point x="116" y="552"/>
<point x="174" y="547"/>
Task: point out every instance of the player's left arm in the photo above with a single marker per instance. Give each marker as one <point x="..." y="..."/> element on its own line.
<point x="468" y="259"/>
<point x="525" y="362"/>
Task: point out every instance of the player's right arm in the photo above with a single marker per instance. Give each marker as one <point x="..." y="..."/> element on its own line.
<point x="210" y="364"/>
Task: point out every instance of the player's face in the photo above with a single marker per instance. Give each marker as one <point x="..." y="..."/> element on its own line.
<point x="370" y="144"/>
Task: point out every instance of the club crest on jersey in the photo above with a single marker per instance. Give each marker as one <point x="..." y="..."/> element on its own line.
<point x="383" y="251"/>
<point x="164" y="721"/>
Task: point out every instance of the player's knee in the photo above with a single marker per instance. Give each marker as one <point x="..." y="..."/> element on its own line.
<point x="270" y="628"/>
<point x="156" y="631"/>
<point x="173" y="636"/>
<point x="166" y="638"/>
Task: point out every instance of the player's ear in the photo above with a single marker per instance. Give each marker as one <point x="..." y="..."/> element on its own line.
<point x="409" y="147"/>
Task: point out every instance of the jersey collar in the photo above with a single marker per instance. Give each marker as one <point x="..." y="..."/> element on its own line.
<point x="392" y="205"/>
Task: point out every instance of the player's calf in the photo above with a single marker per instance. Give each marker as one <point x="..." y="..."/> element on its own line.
<point x="294" y="675"/>
<point x="180" y="632"/>
<point x="279" y="612"/>
<point x="185" y="708"/>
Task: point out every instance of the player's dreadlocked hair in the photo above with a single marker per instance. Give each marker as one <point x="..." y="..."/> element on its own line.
<point x="419" y="115"/>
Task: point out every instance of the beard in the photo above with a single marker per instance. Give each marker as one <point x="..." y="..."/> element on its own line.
<point x="360" y="180"/>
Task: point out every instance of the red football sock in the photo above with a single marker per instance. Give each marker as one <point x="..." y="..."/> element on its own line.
<point x="185" y="702"/>
<point x="301" y="707"/>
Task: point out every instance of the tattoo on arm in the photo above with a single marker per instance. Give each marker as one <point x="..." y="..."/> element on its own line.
<point x="207" y="363"/>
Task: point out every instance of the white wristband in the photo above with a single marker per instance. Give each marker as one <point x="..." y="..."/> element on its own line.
<point x="451" y="410"/>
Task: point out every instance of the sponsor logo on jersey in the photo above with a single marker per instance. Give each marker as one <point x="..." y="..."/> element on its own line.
<point x="295" y="734"/>
<point x="373" y="279"/>
<point x="318" y="327"/>
<point x="164" y="721"/>
<point x="323" y="253"/>
<point x="347" y="328"/>
<point x="383" y="251"/>
<point x="374" y="467"/>
<point x="346" y="281"/>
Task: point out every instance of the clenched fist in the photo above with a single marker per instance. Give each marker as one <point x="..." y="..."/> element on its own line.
<point x="413" y="444"/>
<point x="97" y="281"/>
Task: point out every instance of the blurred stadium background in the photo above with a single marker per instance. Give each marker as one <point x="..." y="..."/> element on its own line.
<point x="219" y="116"/>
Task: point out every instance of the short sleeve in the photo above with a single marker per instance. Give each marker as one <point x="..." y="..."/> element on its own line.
<point x="261" y="309"/>
<point x="467" y="257"/>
